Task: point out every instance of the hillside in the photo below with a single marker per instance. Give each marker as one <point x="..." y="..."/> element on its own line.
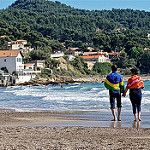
<point x="62" y="22"/>
<point x="43" y="23"/>
<point x="126" y="18"/>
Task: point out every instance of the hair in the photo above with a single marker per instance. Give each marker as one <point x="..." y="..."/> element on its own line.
<point x="134" y="71"/>
<point x="114" y="67"/>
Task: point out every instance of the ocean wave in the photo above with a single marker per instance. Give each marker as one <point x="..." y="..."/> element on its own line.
<point x="145" y="92"/>
<point x="85" y="97"/>
<point x="71" y="98"/>
<point x="104" y="93"/>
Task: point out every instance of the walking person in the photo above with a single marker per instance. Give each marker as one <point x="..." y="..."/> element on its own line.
<point x="115" y="85"/>
<point x="135" y="84"/>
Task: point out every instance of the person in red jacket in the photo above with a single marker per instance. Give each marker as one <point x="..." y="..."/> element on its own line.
<point x="135" y="84"/>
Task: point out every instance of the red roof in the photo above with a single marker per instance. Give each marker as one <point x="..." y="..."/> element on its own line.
<point x="90" y="57"/>
<point x="9" y="53"/>
<point x="29" y="64"/>
<point x="89" y="53"/>
<point x="73" y="48"/>
<point x="19" y="41"/>
<point x="115" y="53"/>
<point x="95" y="53"/>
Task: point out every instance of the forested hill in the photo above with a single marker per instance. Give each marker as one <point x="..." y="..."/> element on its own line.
<point x="43" y="6"/>
<point x="42" y="21"/>
<point x="63" y="22"/>
<point x="125" y="17"/>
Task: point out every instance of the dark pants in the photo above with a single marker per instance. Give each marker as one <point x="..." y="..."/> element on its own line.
<point x="136" y="97"/>
<point x="114" y="96"/>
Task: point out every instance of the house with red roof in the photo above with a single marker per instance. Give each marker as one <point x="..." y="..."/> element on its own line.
<point x="19" y="45"/>
<point x="92" y="57"/>
<point x="12" y="60"/>
<point x="29" y="66"/>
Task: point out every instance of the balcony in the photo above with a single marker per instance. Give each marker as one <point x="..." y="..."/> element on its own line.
<point x="28" y="72"/>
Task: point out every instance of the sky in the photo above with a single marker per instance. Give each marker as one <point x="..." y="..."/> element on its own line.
<point x="97" y="4"/>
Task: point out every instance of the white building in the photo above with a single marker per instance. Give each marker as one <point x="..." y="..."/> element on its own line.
<point x="148" y="36"/>
<point x="12" y="60"/>
<point x="19" y="45"/>
<point x="39" y="64"/>
<point x="29" y="66"/>
<point x="57" y="55"/>
<point x="92" y="59"/>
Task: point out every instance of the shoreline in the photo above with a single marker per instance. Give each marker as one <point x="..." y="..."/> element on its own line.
<point x="51" y="130"/>
<point x="101" y="118"/>
<point x="70" y="80"/>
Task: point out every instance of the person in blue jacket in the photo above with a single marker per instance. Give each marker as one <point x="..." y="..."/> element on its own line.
<point x="115" y="85"/>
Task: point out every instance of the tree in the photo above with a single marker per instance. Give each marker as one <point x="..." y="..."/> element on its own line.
<point x="102" y="68"/>
<point x="101" y="39"/>
<point x="136" y="52"/>
<point x="80" y="65"/>
<point x="52" y="63"/>
<point x="144" y="62"/>
<point x="38" y="55"/>
<point x="123" y="60"/>
<point x="4" y="69"/>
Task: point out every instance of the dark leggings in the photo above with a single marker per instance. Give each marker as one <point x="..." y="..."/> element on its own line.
<point x="136" y="97"/>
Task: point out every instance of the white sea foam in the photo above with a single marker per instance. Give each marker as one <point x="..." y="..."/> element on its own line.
<point x="85" y="97"/>
<point x="146" y="100"/>
<point x="8" y="91"/>
<point x="104" y="93"/>
<point x="96" y="89"/>
<point x="70" y="97"/>
<point x="145" y="92"/>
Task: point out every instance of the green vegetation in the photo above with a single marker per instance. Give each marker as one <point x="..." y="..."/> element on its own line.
<point x="80" y="65"/>
<point x="4" y="69"/>
<point x="45" y="24"/>
<point x="102" y="68"/>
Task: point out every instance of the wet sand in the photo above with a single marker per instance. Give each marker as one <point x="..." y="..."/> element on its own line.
<point x="72" y="131"/>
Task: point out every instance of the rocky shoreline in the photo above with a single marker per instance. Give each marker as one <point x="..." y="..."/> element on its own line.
<point x="69" y="80"/>
<point x="63" y="80"/>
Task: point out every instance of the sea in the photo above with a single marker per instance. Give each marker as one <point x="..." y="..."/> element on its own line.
<point x="72" y="97"/>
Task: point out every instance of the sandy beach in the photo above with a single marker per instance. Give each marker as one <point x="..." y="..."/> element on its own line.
<point x="71" y="131"/>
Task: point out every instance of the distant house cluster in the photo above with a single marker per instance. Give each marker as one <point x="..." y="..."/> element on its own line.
<point x="13" y="69"/>
<point x="92" y="57"/>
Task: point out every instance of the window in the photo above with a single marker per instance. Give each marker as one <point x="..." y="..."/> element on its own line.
<point x="19" y="59"/>
<point x="4" y="60"/>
